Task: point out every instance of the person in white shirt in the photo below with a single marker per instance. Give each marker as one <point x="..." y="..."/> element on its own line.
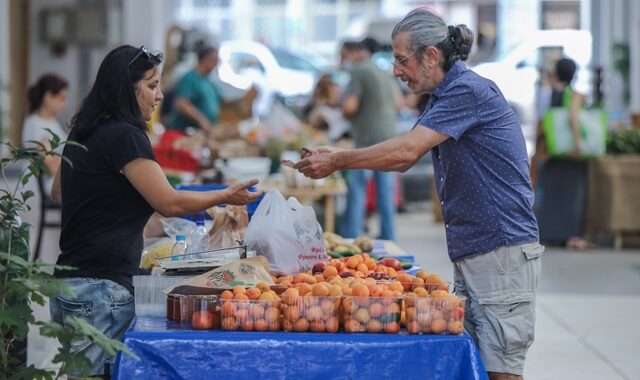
<point x="47" y="97"/>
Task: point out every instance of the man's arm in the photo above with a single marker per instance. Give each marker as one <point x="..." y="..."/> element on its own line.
<point x="350" y="106"/>
<point x="185" y="107"/>
<point x="396" y="154"/>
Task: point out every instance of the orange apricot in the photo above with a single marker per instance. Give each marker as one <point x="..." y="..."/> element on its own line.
<point x="352" y="326"/>
<point x="360" y="291"/>
<point x="292" y="313"/>
<point x="330" y="271"/>
<point x="455" y="327"/>
<point x="413" y="327"/>
<point x="332" y="325"/>
<point x="229" y="323"/>
<point x="335" y="291"/>
<point x="303" y="288"/>
<point x="301" y="325"/>
<point x="438" y="325"/>
<point x="271" y="314"/>
<point x="228" y="308"/>
<point x="320" y="290"/>
<point x="393" y="308"/>
<point x="376" y="310"/>
<point x="439" y="294"/>
<point x="242" y="315"/>
<point x="262" y="286"/>
<point x="239" y="289"/>
<point x="253" y="293"/>
<point x="374" y="326"/>
<point x="226" y="295"/>
<point x="317" y="326"/>
<point x="241" y="296"/>
<point x="392" y="327"/>
<point x="261" y="325"/>
<point x="362" y="315"/>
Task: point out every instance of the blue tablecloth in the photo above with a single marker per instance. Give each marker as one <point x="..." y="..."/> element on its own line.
<point x="169" y="353"/>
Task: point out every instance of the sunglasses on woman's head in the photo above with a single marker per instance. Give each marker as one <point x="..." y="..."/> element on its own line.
<point x="141" y="51"/>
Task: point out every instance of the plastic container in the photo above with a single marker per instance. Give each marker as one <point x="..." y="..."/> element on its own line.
<point x="150" y="300"/>
<point x="435" y="315"/>
<point x="251" y="315"/>
<point x="179" y="249"/>
<point x="314" y="314"/>
<point x="205" y="312"/>
<point x="371" y="314"/>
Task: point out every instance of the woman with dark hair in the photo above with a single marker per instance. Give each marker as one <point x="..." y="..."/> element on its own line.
<point x="482" y="178"/>
<point x="108" y="193"/>
<point x="561" y="182"/>
<point x="47" y="97"/>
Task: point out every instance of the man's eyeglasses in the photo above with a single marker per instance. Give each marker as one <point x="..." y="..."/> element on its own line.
<point x="401" y="63"/>
<point x="141" y="51"/>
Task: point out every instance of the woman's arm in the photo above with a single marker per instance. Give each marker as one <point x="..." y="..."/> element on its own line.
<point x="51" y="162"/>
<point x="150" y="181"/>
<point x="574" y="121"/>
<point x="56" y="192"/>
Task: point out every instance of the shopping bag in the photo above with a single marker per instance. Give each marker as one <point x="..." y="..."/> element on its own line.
<point x="559" y="136"/>
<point x="286" y="233"/>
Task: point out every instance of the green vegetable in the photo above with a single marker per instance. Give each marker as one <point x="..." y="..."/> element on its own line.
<point x="406" y="264"/>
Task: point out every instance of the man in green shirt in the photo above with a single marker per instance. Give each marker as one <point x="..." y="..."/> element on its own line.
<point x="197" y="99"/>
<point x="371" y="105"/>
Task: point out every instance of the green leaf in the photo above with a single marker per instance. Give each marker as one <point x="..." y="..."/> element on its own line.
<point x="110" y="346"/>
<point x="31" y="372"/>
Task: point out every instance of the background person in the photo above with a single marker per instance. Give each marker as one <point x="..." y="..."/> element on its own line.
<point x="110" y="192"/>
<point x="482" y="176"/>
<point x="47" y="98"/>
<point x="561" y="182"/>
<point x="197" y="99"/>
<point x="370" y="105"/>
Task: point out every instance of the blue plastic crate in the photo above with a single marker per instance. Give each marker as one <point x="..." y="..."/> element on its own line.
<point x="251" y="207"/>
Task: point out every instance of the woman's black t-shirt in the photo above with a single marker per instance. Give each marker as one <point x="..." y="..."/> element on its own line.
<point x="103" y="215"/>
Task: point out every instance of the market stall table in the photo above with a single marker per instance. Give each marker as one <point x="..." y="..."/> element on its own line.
<point x="166" y="352"/>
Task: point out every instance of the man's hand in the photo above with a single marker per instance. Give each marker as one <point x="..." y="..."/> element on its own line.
<point x="239" y="195"/>
<point x="306" y="152"/>
<point x="317" y="165"/>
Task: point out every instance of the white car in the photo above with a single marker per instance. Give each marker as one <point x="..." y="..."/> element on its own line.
<point x="272" y="71"/>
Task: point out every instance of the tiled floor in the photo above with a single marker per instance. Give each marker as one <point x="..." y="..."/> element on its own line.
<point x="587" y="311"/>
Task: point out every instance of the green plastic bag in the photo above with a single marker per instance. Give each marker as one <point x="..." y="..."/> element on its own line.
<point x="559" y="136"/>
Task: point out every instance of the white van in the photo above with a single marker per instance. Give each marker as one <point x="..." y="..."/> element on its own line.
<point x="517" y="73"/>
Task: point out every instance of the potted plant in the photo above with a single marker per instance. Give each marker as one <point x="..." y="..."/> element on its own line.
<point x="23" y="282"/>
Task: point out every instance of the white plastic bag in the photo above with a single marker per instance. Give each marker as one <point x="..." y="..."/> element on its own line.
<point x="286" y="233"/>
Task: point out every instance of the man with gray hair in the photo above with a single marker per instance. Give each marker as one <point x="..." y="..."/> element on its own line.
<point x="482" y="178"/>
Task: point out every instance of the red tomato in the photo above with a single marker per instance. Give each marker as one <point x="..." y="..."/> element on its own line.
<point x="202" y="320"/>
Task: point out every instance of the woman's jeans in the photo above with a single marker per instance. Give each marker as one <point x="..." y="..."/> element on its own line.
<point x="353" y="222"/>
<point x="104" y="304"/>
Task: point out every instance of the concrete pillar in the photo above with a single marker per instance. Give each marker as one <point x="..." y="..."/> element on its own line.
<point x="18" y="70"/>
<point x="527" y="14"/>
<point x="4" y="68"/>
<point x="634" y="56"/>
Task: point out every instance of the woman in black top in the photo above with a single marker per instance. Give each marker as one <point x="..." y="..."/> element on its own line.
<point x="110" y="190"/>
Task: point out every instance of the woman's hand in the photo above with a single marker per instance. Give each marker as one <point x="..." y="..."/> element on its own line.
<point x="238" y="194"/>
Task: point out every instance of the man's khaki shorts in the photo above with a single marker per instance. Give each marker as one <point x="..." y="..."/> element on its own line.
<point x="500" y="314"/>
